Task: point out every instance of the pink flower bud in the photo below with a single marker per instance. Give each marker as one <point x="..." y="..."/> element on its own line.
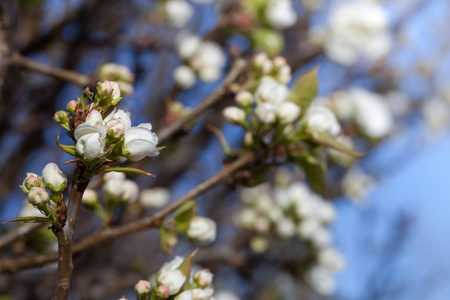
<point x="279" y="62"/>
<point x="115" y="127"/>
<point x="38" y="196"/>
<point x="71" y="106"/>
<point x="143" y="287"/>
<point x="32" y="180"/>
<point x="162" y="291"/>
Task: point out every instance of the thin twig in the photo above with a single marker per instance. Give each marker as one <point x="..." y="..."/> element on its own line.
<point x="106" y="234"/>
<point x="18" y="233"/>
<point x="237" y="69"/>
<point x="65" y="237"/>
<point x="67" y="75"/>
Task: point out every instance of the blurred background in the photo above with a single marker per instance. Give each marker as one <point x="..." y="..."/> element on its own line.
<point x="392" y="225"/>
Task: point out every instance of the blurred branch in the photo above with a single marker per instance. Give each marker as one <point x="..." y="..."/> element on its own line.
<point x="6" y="11"/>
<point x="237" y="69"/>
<point x="67" y="75"/>
<point x="106" y="234"/>
<point x="18" y="233"/>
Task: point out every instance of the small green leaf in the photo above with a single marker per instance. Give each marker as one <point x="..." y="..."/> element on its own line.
<point x="184" y="215"/>
<point x="30" y="220"/>
<point x="305" y="90"/>
<point x="185" y="269"/>
<point x="315" y="170"/>
<point x="326" y="140"/>
<point x="130" y="170"/>
<point x="68" y="149"/>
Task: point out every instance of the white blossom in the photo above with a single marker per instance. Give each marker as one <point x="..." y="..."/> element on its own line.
<point x="331" y="259"/>
<point x="266" y="112"/>
<point x="90" y="140"/>
<point x="321" y="279"/>
<point x="270" y="90"/>
<point x="280" y="13"/>
<point x="358" y="29"/>
<point x="140" y="142"/>
<point x="203" y="277"/>
<point x="225" y="295"/>
<point x="202" y="294"/>
<point x="186" y="295"/>
<point x="30" y="181"/>
<point x="288" y="112"/>
<point x="321" y="119"/>
<point x="120" y="115"/>
<point x="94" y="118"/>
<point x="54" y="178"/>
<point x="90" y="197"/>
<point x="173" y="279"/>
<point x="178" y="12"/>
<point x="187" y="45"/>
<point x="234" y="115"/>
<point x="202" y="230"/>
<point x="244" y="98"/>
<point x="143" y="287"/>
<point x="131" y="191"/>
<point x="114" y="188"/>
<point x="285" y="228"/>
<point x="184" y="76"/>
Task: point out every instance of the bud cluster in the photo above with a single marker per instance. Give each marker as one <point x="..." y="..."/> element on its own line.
<point x="175" y="280"/>
<point x="102" y="132"/>
<point x="45" y="192"/>
<point x="290" y="210"/>
<point x="203" y="59"/>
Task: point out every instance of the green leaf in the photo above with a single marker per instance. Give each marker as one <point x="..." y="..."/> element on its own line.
<point x="305" y="90"/>
<point x="315" y="170"/>
<point x="30" y="220"/>
<point x="324" y="139"/>
<point x="130" y="170"/>
<point x="68" y="149"/>
<point x="268" y="40"/>
<point x="185" y="269"/>
<point x="168" y="239"/>
<point x="184" y="215"/>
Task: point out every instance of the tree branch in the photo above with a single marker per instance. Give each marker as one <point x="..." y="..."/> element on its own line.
<point x="106" y="234"/>
<point x="238" y="68"/>
<point x="66" y="234"/>
<point x="67" y="75"/>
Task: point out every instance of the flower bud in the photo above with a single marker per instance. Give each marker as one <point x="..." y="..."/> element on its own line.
<point x="71" y="106"/>
<point x="38" y="196"/>
<point x="321" y="119"/>
<point x="155" y="197"/>
<point x="184" y="77"/>
<point x="108" y="93"/>
<point x="288" y="112"/>
<point x="259" y="60"/>
<point x="202" y="294"/>
<point x="244" y="98"/>
<point x="163" y="291"/>
<point x="131" y="191"/>
<point x="94" y="118"/>
<point x="90" y="198"/>
<point x="266" y="112"/>
<point x="114" y="188"/>
<point x="202" y="230"/>
<point x="279" y="62"/>
<point x="186" y="295"/>
<point x="143" y="288"/>
<point x="284" y="74"/>
<point x="61" y="117"/>
<point x="55" y="180"/>
<point x="115" y="128"/>
<point x="32" y="180"/>
<point x="203" y="277"/>
<point x="234" y="115"/>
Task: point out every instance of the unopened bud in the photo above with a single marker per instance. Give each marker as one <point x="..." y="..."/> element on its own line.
<point x="90" y="198"/>
<point x="108" y="93"/>
<point x="259" y="60"/>
<point x="244" y="98"/>
<point x="186" y="295"/>
<point x="55" y="180"/>
<point x="38" y="196"/>
<point x="94" y="118"/>
<point x="115" y="128"/>
<point x="234" y="115"/>
<point x="32" y="180"/>
<point x="71" y="106"/>
<point x="288" y="112"/>
<point x="143" y="288"/>
<point x="61" y="117"/>
<point x="202" y="230"/>
<point x="203" y="277"/>
<point x="162" y="291"/>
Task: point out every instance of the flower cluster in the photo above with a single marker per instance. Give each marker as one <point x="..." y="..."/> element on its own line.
<point x="102" y="132"/>
<point x="120" y="74"/>
<point x="203" y="59"/>
<point x="117" y="190"/>
<point x="369" y="111"/>
<point x="291" y="210"/>
<point x="35" y="187"/>
<point x="357" y="30"/>
<point x="278" y="14"/>
<point x="176" y="280"/>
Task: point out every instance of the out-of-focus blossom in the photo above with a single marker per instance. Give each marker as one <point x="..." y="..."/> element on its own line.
<point x="154" y="198"/>
<point x="178" y="12"/>
<point x="321" y="119"/>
